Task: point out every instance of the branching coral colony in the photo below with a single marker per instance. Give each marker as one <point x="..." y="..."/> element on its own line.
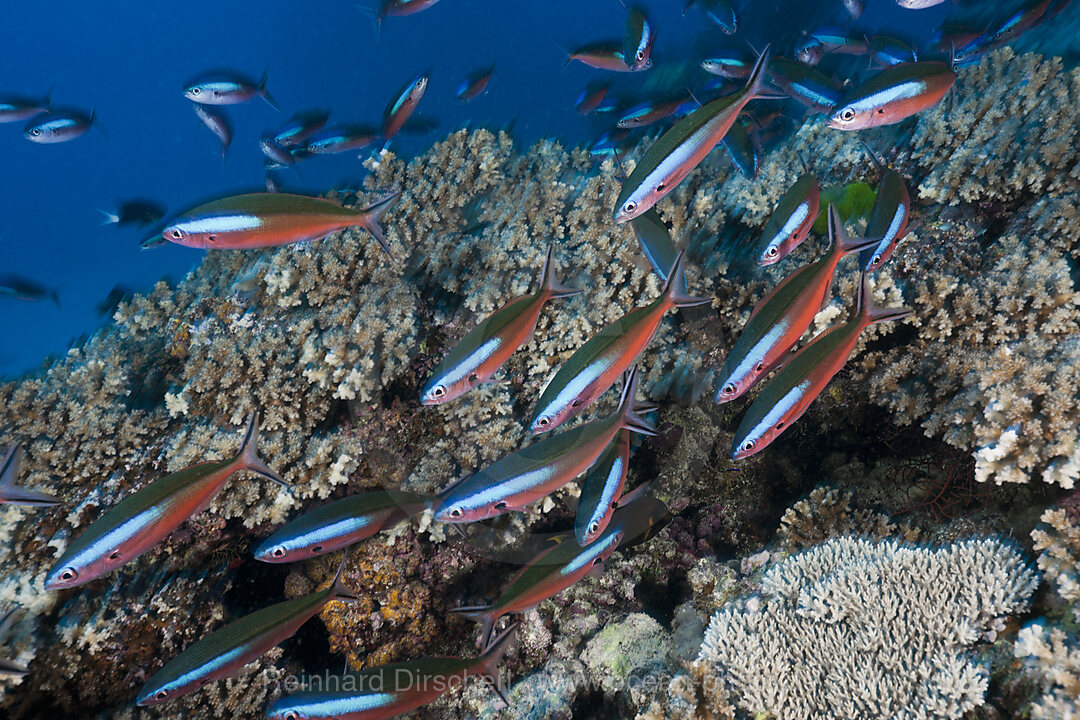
<point x="332" y="342"/>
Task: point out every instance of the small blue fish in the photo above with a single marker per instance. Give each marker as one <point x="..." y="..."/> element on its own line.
<point x="300" y="127"/>
<point x="58" y="126"/>
<point x="230" y="90"/>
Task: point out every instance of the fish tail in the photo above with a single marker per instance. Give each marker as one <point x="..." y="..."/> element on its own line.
<point x="249" y="459"/>
<point x="629" y="409"/>
<point x="550" y="285"/>
<point x="16" y="494"/>
<point x="46" y="101"/>
<point x="869" y="313"/>
<point x="482" y="614"/>
<point x="489" y="662"/>
<point x="264" y="93"/>
<point x="110" y="218"/>
<point x="757" y="81"/>
<point x="841" y="242"/>
<point x="339" y="590"/>
<point x="372" y="214"/>
<point x="675" y="286"/>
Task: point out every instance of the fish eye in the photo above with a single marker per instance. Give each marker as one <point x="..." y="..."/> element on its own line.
<point x="576" y="402"/>
<point x="630" y="206"/>
<point x="69" y="574"/>
<point x="161" y="694"/>
<point x="847" y="114"/>
<point x="772" y="252"/>
<point x="747" y="446"/>
<point x="597" y="561"/>
<point x="780" y="425"/>
<point x="420" y="83"/>
<point x="593" y="527"/>
<point x="875" y="261"/>
<point x="177" y="233"/>
<point x="35" y="132"/>
<point x="456" y="512"/>
<point x="114" y="554"/>
<point x="438" y="391"/>
<point x="640" y="55"/>
<point x="728" y="389"/>
<point x="278" y="552"/>
<point x="290" y="715"/>
<point x="196" y="90"/>
<point x="660" y="186"/>
<point x="543" y="422"/>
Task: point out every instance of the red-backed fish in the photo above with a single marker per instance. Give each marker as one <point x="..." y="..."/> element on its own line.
<point x="58" y="126"/>
<point x="401" y="8"/>
<point x="840" y="42"/>
<point x="745" y="154"/>
<point x="679" y="150"/>
<point x="781" y="317"/>
<point x="601" y="489"/>
<point x="810" y="52"/>
<point x="228" y="91"/>
<point x="12" y="494"/>
<point x="399" y="110"/>
<point x="648" y="113"/>
<point x="258" y="220"/>
<point x="387" y="691"/>
<point x="339" y="524"/>
<point x="591" y="97"/>
<point x="519" y="479"/>
<point x="805" y="84"/>
<point x="487" y="347"/>
<point x="1017" y="24"/>
<point x="143" y="519"/>
<point x="227" y="650"/>
<point x="731" y="65"/>
<point x="787" y="395"/>
<point x="886" y="50"/>
<point x="564" y="565"/>
<point x="14" y="108"/>
<point x="596" y="365"/>
<point x="655" y="241"/>
<point x="791" y="221"/>
<point x="300" y="127"/>
<point x="604" y="56"/>
<point x="276" y="153"/>
<point x="638" y="40"/>
<point x="888" y="220"/>
<point x="339" y="140"/>
<point x="216" y="123"/>
<point x="896" y="93"/>
<point x="719" y="11"/>
<point x="474" y="86"/>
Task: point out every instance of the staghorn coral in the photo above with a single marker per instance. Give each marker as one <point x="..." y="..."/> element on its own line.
<point x="868" y="629"/>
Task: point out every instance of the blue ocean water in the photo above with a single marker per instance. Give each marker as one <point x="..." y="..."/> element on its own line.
<point x="128" y="62"/>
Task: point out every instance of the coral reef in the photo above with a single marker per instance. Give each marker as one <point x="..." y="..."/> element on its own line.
<point x="858" y="628"/>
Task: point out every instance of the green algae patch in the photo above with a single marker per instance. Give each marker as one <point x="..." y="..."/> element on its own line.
<point x="853" y="201"/>
<point x="634" y="646"/>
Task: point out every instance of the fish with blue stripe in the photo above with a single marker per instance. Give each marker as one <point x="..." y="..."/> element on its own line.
<point x="146" y="517"/>
<point x="521" y="478"/>
<point x="791" y="221"/>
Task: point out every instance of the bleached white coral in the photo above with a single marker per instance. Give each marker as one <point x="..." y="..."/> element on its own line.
<point x="854" y="628"/>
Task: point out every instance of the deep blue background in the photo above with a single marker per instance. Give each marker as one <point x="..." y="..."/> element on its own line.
<point x="129" y="61"/>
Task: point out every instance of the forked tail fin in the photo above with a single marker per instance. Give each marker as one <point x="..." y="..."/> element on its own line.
<point x="338" y="589"/>
<point x="840" y="242"/>
<point x="630" y="410"/>
<point x="757" y="81"/>
<point x="248" y="457"/>
<point x="675" y="286"/>
<point x="264" y="93"/>
<point x="488" y="663"/>
<point x="483" y="614"/>
<point x="868" y="313"/>
<point x="373" y="214"/>
<point x="550" y="285"/>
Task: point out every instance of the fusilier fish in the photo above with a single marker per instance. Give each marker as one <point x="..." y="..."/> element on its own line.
<point x="591" y="97"/>
<point x="637" y="45"/>
<point x="604" y="56"/>
<point x="896" y="93"/>
<point x="12" y="494"/>
<point x="597" y="364"/>
<point x="562" y="566"/>
<point x="523" y="477"/>
<point x="258" y="220"/>
<point x="886" y="50"/>
<point x="679" y="150"/>
<point x="888" y="220"/>
<point x="655" y="241"/>
<point x="58" y="126"/>
<point x="300" y="127"/>
<point x="23" y="288"/>
<point x="648" y="113"/>
<point x="216" y="123"/>
<point x="400" y="8"/>
<point x="791" y="221"/>
<point x="225" y="651"/>
<point x="339" y="524"/>
<point x="731" y="65"/>
<point x="341" y="140"/>
<point x="474" y="86"/>
<point x="386" y="691"/>
<point x="806" y="85"/>
<point x="787" y="395"/>
<point x="745" y="154"/>
<point x="134" y="212"/>
<point x="487" y="347"/>
<point x="781" y="317"/>
<point x="403" y="105"/>
<point x="228" y="91"/>
<point x="601" y="489"/>
<point x="144" y="518"/>
<point x="17" y="109"/>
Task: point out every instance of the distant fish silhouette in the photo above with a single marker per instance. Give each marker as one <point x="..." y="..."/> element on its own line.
<point x="13" y="494"/>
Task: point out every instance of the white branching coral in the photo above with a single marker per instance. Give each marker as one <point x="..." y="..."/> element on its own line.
<point x="853" y="628"/>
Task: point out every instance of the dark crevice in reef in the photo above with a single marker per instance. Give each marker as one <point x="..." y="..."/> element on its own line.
<point x="250" y="581"/>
